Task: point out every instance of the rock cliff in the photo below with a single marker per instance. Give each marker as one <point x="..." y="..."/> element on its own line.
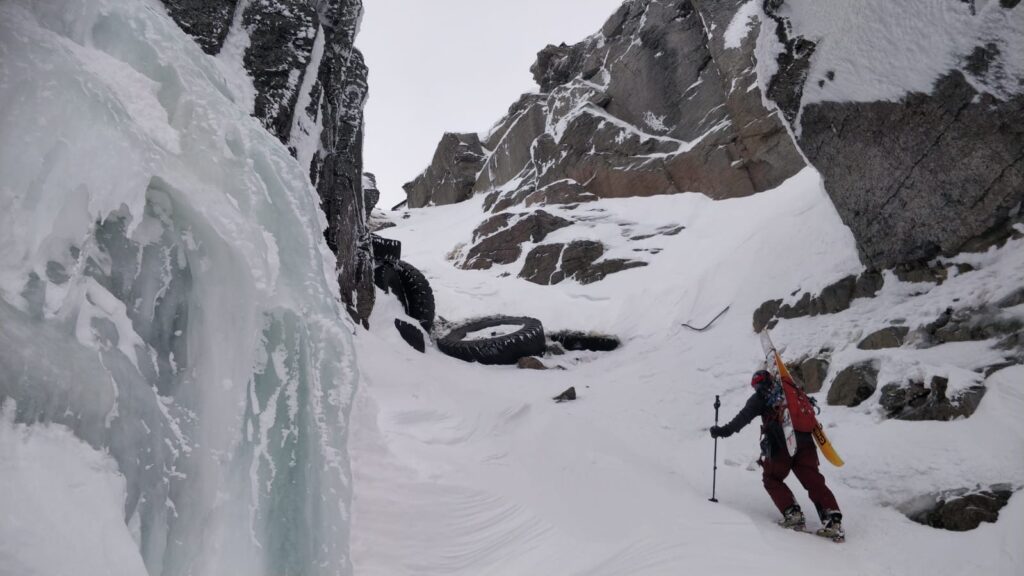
<point x="916" y="128"/>
<point x="310" y="88"/>
<point x="663" y="99"/>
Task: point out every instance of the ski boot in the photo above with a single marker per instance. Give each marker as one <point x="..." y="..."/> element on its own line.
<point x="833" y="528"/>
<point x="793" y="518"/>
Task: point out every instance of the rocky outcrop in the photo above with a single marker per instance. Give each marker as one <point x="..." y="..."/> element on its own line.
<point x="580" y="260"/>
<point x="281" y="36"/>
<point x="854" y="384"/>
<point x="208" y="21"/>
<point x="835" y="297"/>
<point x="970" y="324"/>
<point x="888" y="169"/>
<point x="915" y="402"/>
<point x="311" y="87"/>
<point x="371" y="194"/>
<point x="889" y="337"/>
<point x="960" y="510"/>
<point x="657" y="102"/>
<point x="812" y="373"/>
<point x="451" y="175"/>
<point x="337" y="167"/>
<point x="920" y="176"/>
<point x="503" y="245"/>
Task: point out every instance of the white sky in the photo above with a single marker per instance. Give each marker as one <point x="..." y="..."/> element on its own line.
<point x="453" y="66"/>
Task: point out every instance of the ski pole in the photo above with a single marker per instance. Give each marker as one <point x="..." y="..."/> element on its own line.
<point x="714" y="472"/>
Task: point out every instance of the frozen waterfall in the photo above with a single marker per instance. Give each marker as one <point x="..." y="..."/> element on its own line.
<point x="170" y="338"/>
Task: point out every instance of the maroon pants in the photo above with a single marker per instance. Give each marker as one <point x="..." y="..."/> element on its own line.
<point x="805" y="467"/>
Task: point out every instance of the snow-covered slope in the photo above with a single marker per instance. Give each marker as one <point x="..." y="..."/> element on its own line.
<point x="468" y="469"/>
<point x="167" y="297"/>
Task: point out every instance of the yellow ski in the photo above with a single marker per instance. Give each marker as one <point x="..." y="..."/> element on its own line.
<point x="818" y="433"/>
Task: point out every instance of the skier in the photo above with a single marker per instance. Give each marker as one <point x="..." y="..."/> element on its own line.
<point x="776" y="462"/>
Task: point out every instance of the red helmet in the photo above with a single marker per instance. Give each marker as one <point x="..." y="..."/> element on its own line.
<point x="760" y="377"/>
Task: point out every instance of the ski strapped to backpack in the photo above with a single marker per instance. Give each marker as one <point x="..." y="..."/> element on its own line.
<point x="800" y="407"/>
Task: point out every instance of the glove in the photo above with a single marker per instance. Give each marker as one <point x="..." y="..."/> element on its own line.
<point x="720" y="432"/>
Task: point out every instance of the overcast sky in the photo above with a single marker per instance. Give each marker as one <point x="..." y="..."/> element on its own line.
<point x="453" y="66"/>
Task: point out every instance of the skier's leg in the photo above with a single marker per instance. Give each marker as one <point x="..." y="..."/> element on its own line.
<point x="773" y="472"/>
<point x="805" y="468"/>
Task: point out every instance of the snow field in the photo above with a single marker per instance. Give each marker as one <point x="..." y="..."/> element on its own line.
<point x="467" y="469"/>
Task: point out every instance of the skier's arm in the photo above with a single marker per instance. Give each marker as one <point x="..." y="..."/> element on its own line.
<point x="753" y="408"/>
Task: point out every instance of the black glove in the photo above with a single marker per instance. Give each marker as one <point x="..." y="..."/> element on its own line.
<point x="720" y="432"/>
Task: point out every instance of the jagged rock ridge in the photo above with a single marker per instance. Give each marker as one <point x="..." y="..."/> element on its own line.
<point x="657" y="102"/>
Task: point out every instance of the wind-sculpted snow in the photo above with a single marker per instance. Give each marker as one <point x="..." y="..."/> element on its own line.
<point x="165" y="294"/>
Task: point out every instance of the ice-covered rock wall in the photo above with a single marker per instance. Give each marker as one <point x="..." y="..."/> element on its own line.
<point x="308" y="87"/>
<point x="166" y="296"/>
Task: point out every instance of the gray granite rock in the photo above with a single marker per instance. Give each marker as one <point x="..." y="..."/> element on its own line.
<point x="889" y="337"/>
<point x="915" y="402"/>
<point x="452" y="173"/>
<point x="835" y="297"/>
<point x="579" y="260"/>
<point x="929" y="174"/>
<point x="652" y="104"/>
<point x="854" y="384"/>
<point x="813" y="372"/>
<point x="961" y="510"/>
<point x="504" y="246"/>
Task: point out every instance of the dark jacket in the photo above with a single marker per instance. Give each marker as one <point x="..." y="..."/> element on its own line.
<point x="774" y="439"/>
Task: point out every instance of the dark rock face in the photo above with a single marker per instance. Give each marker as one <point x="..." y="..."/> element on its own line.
<point x="451" y="175"/>
<point x="854" y="384"/>
<point x="921" y="272"/>
<point x="338" y="164"/>
<point x="503" y="247"/>
<point x="915" y="402"/>
<point x="208" y="21"/>
<point x="833" y="298"/>
<point x="888" y="171"/>
<point x="281" y="60"/>
<point x="787" y="86"/>
<point x="813" y="372"/>
<point x="561" y="192"/>
<point x="962" y="510"/>
<point x="371" y="194"/>
<point x="541" y="266"/>
<point x="652" y="104"/>
<point x="281" y="33"/>
<point x="890" y="337"/>
<point x="580" y="260"/>
<point x="924" y="176"/>
<point x="970" y="324"/>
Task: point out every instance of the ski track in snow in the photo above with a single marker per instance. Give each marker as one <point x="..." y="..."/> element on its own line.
<point x="467" y="469"/>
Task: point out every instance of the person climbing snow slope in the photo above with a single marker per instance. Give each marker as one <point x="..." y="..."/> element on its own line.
<point x="776" y="461"/>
